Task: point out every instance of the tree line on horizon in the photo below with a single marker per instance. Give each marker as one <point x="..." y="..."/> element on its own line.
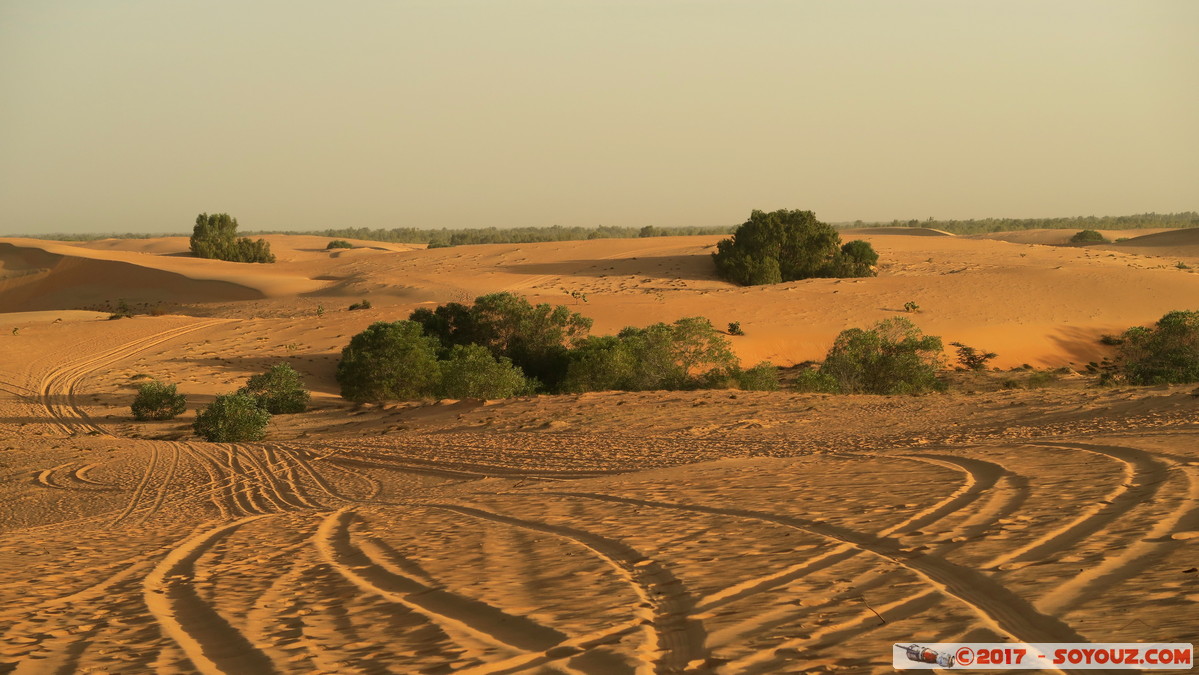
<point x="523" y="235"/>
<point x="1183" y="219"/>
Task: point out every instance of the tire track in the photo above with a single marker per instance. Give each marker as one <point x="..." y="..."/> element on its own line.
<point x="64" y="380"/>
<point x="994" y="604"/>
<point x="138" y="491"/>
<point x="212" y="645"/>
<point x="675" y="640"/>
<point x="480" y="627"/>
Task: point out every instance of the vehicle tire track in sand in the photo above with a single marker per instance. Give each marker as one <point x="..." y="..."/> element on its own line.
<point x="480" y="627"/>
<point x="212" y="645"/>
<point x="140" y="489"/>
<point x="980" y="478"/>
<point x="998" y="607"/>
<point x="64" y="380"/>
<point x="1142" y="476"/>
<point x="1138" y="554"/>
<point x="674" y="638"/>
<point x="164" y="485"/>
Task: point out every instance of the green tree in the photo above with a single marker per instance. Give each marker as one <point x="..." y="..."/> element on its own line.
<point x="1166" y="353"/>
<point x="279" y="391"/>
<point x="1088" y="237"/>
<point x="537" y="338"/>
<point x="389" y="361"/>
<point x="470" y="371"/>
<point x="157" y="401"/>
<point x="893" y="357"/>
<point x="789" y="245"/>
<point x="215" y="236"/>
<point x="688" y="354"/>
<point x="232" y="418"/>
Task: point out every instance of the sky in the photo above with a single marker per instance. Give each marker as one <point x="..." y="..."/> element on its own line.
<point x="134" y="116"/>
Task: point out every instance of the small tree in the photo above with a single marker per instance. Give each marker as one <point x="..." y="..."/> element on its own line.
<point x="762" y="377"/>
<point x="215" y="236"/>
<point x="972" y="359"/>
<point x="1167" y="353"/>
<point x="157" y="401"/>
<point x="389" y="361"/>
<point x="279" y="391"/>
<point x="472" y="372"/>
<point x="787" y="246"/>
<point x="893" y="357"/>
<point x="232" y="418"/>
<point x="1088" y="237"/>
<point x="338" y="243"/>
<point x="735" y="328"/>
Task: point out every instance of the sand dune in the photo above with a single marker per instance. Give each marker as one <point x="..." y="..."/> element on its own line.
<point x="910" y="231"/>
<point x="707" y="532"/>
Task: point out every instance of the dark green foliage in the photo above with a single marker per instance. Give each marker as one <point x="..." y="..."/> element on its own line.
<point x="389" y="361"/>
<point x="815" y="381"/>
<point x="338" y="243"/>
<point x="1140" y="220"/>
<point x="536" y="338"/>
<point x="232" y="418"/>
<point x="972" y="359"/>
<point x="1111" y="340"/>
<point x="911" y="307"/>
<point x="279" y="391"/>
<point x="123" y="311"/>
<point x="157" y="401"/>
<point x="470" y="371"/>
<point x="688" y="354"/>
<point x="365" y="304"/>
<point x="893" y="357"/>
<point x="1167" y="353"/>
<point x="858" y="259"/>
<point x="789" y="245"/>
<point x="1088" y="237"/>
<point x="215" y="236"/>
<point x="762" y="377"/>
<point x="735" y="328"/>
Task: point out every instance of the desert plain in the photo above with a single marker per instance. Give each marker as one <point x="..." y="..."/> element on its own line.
<point x="650" y="532"/>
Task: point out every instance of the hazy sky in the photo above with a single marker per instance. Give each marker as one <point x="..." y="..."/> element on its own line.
<point x="137" y="115"/>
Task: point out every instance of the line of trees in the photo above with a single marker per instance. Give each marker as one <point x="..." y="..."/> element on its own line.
<point x="442" y="237"/>
<point x="985" y="225"/>
<point x="503" y="345"/>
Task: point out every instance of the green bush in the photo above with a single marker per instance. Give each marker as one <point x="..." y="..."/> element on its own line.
<point x="789" y="245"/>
<point x="389" y="361"/>
<point x="688" y="354"/>
<point x="157" y="401"/>
<point x="735" y="328"/>
<point x="970" y="358"/>
<point x="537" y="338"/>
<point x="762" y="377"/>
<point x="232" y="418"/>
<point x="1088" y="237"/>
<point x="893" y="357"/>
<point x="813" y="381"/>
<point x="279" y="391"/>
<point x="365" y="304"/>
<point x="1166" y="353"/>
<point x="215" y="236"/>
<point x="471" y="371"/>
<point x="338" y="243"/>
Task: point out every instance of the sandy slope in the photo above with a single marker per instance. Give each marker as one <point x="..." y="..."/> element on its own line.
<point x="709" y="531"/>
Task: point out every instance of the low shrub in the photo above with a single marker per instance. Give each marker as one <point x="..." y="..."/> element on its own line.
<point x="1088" y="237"/>
<point x="762" y="377"/>
<point x="338" y="243"/>
<point x="389" y="361"/>
<point x="364" y="304"/>
<point x="279" y="391"/>
<point x="893" y="357"/>
<point x="970" y="358"/>
<point x="232" y="418"/>
<point x="157" y="401"/>
<point x="1166" y="353"/>
<point x="735" y="328"/>
<point x="471" y="371"/>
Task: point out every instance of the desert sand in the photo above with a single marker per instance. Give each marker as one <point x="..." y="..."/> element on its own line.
<point x="709" y="531"/>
